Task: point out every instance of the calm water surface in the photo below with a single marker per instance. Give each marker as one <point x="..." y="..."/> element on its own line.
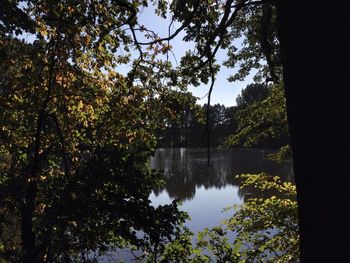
<point x="205" y="191"/>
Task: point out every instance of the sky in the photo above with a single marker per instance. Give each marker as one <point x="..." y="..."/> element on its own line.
<point x="224" y="92"/>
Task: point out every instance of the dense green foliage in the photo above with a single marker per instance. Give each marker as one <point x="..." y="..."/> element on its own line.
<point x="190" y="129"/>
<point x="267" y="228"/>
<point x="75" y="134"/>
<point x="259" y="120"/>
<point x="252" y="93"/>
<point x="263" y="122"/>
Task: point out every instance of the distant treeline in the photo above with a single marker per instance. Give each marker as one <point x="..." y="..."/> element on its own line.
<point x="231" y="126"/>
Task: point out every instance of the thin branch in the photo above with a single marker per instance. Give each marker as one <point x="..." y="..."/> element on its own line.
<point x="137" y="257"/>
<point x="226" y="21"/>
<point x="63" y="145"/>
<point x="136" y="43"/>
<point x="169" y="30"/>
<point x="176" y="62"/>
<point x="212" y="73"/>
<point x="247" y="4"/>
<point x="206" y="94"/>
<point x="266" y="46"/>
<point x="187" y="21"/>
<point x="220" y="31"/>
<point x="131" y="21"/>
<point x="166" y="38"/>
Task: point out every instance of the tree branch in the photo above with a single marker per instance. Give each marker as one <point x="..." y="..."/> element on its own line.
<point x="63" y="145"/>
<point x="187" y="21"/>
<point x="212" y="73"/>
<point x="27" y="208"/>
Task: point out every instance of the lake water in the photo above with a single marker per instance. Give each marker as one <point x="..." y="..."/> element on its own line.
<point x="206" y="191"/>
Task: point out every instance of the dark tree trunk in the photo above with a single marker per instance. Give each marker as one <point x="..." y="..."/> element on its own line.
<point x="28" y="237"/>
<point x="315" y="47"/>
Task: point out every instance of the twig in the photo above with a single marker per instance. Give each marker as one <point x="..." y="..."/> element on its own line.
<point x="212" y="73"/>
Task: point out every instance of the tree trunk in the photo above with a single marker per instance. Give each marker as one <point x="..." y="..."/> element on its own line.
<point x="27" y="234"/>
<point x="315" y="43"/>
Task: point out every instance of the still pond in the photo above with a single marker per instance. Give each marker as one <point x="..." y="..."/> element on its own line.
<point x="205" y="191"/>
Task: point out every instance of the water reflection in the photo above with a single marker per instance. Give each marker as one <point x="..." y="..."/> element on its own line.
<point x="186" y="170"/>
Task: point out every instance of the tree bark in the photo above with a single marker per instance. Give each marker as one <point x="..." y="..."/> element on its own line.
<point x="27" y="234"/>
<point x="315" y="43"/>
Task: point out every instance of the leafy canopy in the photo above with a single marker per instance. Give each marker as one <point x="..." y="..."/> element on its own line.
<point x="263" y="122"/>
<point x="76" y="135"/>
<point x="74" y="130"/>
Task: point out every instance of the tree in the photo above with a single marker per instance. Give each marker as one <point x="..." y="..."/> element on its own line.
<point x="262" y="123"/>
<point x="315" y="56"/>
<point x="76" y="135"/>
<point x="81" y="38"/>
<point x="315" y="53"/>
<point x="177" y="128"/>
<point x="188" y="128"/>
<point x="314" y="40"/>
<point x="217" y="125"/>
<point x="252" y="93"/>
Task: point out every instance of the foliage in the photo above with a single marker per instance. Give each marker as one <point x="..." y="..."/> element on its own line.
<point x="180" y="249"/>
<point x="283" y="154"/>
<point x="177" y="130"/>
<point x="257" y="25"/>
<point x="246" y="29"/>
<point x="76" y="135"/>
<point x="267" y="228"/>
<point x="73" y="130"/>
<point x="263" y="122"/>
<point x="259" y="119"/>
<point x="264" y="229"/>
<point x="190" y="129"/>
<point x="252" y="93"/>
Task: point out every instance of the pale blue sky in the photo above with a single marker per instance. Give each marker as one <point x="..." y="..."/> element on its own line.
<point x="224" y="92"/>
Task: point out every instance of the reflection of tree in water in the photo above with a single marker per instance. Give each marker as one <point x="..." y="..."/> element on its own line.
<point x="185" y="170"/>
